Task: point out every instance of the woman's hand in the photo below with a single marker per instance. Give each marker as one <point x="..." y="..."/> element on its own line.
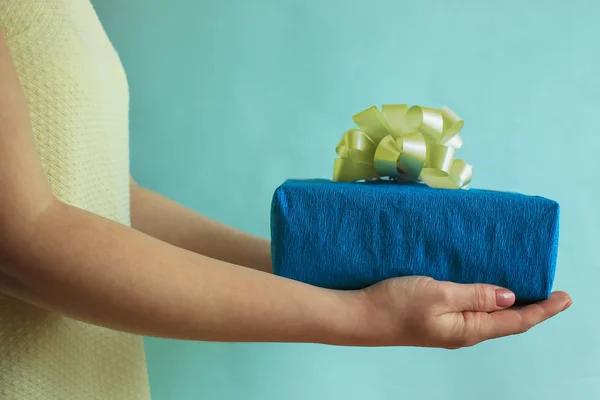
<point x="419" y="311"/>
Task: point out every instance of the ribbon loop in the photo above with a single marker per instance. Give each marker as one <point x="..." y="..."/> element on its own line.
<point x="402" y="143"/>
<point x="356" y="146"/>
<point x="440" y="157"/>
<point x="373" y="123"/>
<point x="396" y="118"/>
<point x="413" y="157"/>
<point x="387" y="156"/>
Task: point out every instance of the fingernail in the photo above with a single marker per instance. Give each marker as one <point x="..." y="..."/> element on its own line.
<point x="568" y="305"/>
<point x="504" y="298"/>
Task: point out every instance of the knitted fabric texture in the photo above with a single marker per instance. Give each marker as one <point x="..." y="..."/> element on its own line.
<point x="78" y="100"/>
<point x="352" y="235"/>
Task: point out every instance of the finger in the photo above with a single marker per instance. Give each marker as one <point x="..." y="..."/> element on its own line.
<point x="511" y="322"/>
<point x="477" y="297"/>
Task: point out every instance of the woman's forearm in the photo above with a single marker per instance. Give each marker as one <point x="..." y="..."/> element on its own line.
<point x="173" y="223"/>
<point x="98" y="271"/>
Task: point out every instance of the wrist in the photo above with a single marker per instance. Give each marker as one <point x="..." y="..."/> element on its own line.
<point x="366" y="322"/>
<point x="346" y="322"/>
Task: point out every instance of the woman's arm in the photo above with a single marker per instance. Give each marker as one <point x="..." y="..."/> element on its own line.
<point x="173" y="223"/>
<point x="101" y="272"/>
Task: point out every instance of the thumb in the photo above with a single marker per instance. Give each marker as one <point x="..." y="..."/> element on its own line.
<point x="479" y="297"/>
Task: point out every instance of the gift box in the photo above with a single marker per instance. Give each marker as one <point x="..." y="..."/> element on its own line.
<point x="351" y="235"/>
<point x="399" y="205"/>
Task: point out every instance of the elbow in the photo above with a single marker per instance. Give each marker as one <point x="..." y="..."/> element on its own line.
<point x="23" y="242"/>
<point x="14" y="254"/>
<point x="19" y="234"/>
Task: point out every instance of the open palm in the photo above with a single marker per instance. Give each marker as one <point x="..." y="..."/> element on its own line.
<point x="420" y="311"/>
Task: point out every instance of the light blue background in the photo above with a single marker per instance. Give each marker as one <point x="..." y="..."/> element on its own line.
<point x="230" y="98"/>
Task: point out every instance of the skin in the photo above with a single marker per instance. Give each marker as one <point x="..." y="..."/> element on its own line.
<point x="177" y="274"/>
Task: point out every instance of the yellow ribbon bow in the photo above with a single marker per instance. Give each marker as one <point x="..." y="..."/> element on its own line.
<point x="407" y="144"/>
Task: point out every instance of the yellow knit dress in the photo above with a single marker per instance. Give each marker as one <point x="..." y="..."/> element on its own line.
<point x="79" y="103"/>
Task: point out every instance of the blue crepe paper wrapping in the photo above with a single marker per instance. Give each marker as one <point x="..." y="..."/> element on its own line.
<point x="352" y="235"/>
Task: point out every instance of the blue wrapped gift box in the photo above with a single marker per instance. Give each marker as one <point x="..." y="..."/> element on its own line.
<point x="352" y="235"/>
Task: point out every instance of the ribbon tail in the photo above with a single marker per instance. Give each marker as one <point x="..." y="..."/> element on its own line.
<point x="459" y="176"/>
